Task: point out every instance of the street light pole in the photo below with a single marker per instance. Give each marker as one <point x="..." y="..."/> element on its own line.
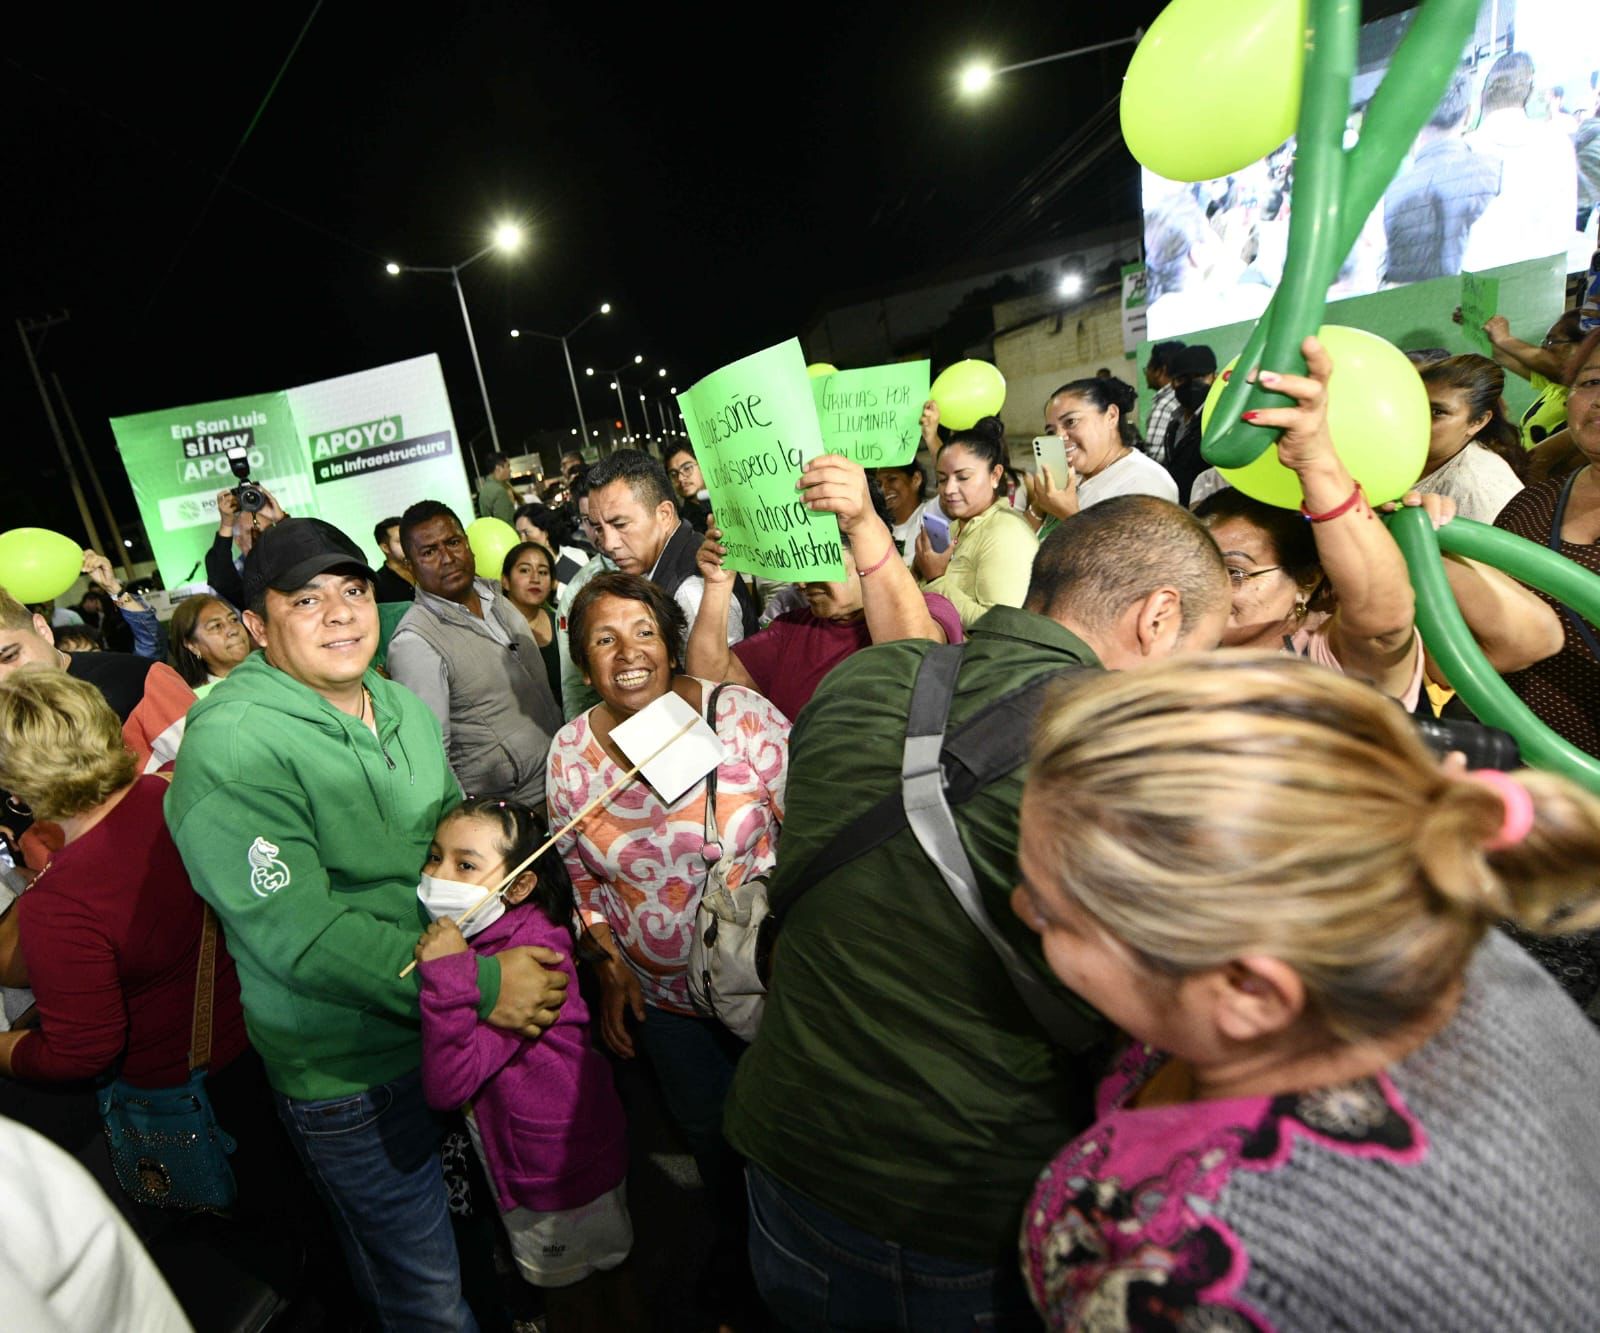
<point x="507" y="237"/>
<point x="566" y="351"/>
<point x="477" y="365"/>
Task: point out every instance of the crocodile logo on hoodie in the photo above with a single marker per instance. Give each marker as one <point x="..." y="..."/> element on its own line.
<point x="267" y="873"/>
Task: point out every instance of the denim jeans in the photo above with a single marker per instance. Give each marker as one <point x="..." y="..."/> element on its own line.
<point x="694" y="1059"/>
<point x="374" y="1158"/>
<point x="817" y="1272"/>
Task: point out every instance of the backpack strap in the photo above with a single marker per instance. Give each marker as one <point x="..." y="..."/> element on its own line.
<point x="927" y="811"/>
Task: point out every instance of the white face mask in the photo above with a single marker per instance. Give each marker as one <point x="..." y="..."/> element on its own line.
<point x="451" y="898"/>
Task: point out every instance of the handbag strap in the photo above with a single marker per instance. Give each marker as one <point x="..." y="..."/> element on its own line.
<point x="923" y="784"/>
<point x="205" y="983"/>
<point x="713" y="835"/>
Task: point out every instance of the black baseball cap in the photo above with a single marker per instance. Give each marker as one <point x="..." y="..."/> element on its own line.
<point x="293" y="551"/>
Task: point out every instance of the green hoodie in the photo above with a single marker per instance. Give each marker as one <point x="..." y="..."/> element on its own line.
<point x="307" y="835"/>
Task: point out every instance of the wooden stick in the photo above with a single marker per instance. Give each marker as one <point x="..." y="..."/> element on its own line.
<point x="571" y="824"/>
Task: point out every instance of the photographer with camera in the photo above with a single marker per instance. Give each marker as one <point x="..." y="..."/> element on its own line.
<point x="243" y="513"/>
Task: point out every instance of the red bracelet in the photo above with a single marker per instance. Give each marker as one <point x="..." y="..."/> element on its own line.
<point x="1355" y="499"/>
<point x="893" y="550"/>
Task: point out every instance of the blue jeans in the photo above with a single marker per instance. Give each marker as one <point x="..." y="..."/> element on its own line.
<point x="817" y="1272"/>
<point x="694" y="1059"/>
<point x="374" y="1158"/>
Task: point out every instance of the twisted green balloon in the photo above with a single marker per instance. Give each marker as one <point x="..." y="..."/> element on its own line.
<point x="1450" y="641"/>
<point x="1335" y="190"/>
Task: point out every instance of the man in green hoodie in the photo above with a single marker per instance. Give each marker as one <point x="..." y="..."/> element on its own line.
<point x="308" y="793"/>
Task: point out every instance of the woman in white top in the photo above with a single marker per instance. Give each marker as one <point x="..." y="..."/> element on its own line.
<point x="902" y="492"/>
<point x="1094" y="418"/>
<point x="1475" y="455"/>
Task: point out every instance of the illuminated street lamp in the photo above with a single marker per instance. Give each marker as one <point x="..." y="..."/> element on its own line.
<point x="507" y="239"/>
<point x="616" y="384"/>
<point x="604" y="309"/>
<point x="978" y="76"/>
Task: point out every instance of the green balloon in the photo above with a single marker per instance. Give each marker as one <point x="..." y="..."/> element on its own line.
<point x="1335" y="191"/>
<point x="1455" y="650"/>
<point x="967" y="392"/>
<point x="37" y="565"/>
<point x="821" y="370"/>
<point x="491" y="540"/>
<point x="1378" y="416"/>
<point x="1214" y="85"/>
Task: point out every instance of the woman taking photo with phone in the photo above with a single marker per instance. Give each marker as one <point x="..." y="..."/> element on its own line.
<point x="991" y="547"/>
<point x="1093" y="419"/>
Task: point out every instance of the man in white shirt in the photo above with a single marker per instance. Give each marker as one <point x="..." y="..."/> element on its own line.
<point x="1535" y="211"/>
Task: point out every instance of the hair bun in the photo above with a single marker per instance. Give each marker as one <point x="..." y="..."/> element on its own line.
<point x="991" y="427"/>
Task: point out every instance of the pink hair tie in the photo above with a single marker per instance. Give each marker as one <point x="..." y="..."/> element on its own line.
<point x="1518" y="821"/>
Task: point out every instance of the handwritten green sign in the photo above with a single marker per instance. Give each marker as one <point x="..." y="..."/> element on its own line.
<point x="753" y="424"/>
<point x="873" y="415"/>
<point x="1480" y="301"/>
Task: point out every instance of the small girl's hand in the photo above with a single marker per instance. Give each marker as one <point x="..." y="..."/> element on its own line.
<point x="440" y="940"/>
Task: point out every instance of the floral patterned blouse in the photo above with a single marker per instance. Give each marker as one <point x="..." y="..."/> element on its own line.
<point x="637" y="864"/>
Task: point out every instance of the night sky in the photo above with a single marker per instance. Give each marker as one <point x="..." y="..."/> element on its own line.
<point x="717" y="174"/>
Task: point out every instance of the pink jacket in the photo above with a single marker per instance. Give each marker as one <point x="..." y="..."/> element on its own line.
<point x="553" y="1131"/>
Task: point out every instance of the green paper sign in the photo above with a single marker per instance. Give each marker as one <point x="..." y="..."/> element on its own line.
<point x="351" y="450"/>
<point x="753" y="424"/>
<point x="873" y="416"/>
<point x="1480" y="302"/>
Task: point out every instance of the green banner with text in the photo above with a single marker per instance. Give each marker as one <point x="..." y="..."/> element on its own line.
<point x="351" y="450"/>
<point x="753" y="425"/>
<point x="873" y="416"/>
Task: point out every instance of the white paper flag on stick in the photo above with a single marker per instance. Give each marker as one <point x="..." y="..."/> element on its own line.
<point x="685" y="761"/>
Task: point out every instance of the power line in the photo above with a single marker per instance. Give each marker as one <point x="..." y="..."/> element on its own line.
<point x="249" y="129"/>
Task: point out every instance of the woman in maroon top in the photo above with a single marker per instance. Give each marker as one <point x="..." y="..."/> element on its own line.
<point x="110" y="931"/>
<point x="1564" y="690"/>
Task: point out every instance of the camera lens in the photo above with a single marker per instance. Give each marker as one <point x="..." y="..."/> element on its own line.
<point x="251" y="500"/>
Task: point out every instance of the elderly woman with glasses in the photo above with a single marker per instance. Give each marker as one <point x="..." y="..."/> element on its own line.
<point x="1327" y="583"/>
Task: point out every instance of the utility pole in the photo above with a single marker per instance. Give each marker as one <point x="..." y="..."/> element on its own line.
<point x="24" y="328"/>
<point x="94" y="479"/>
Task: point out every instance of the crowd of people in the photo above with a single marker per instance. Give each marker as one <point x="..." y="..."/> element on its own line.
<point x="1120" y="910"/>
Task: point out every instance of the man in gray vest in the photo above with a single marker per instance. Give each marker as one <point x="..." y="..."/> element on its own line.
<point x="468" y="654"/>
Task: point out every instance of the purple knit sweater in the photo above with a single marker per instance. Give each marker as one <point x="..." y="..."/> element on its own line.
<point x="553" y="1131"/>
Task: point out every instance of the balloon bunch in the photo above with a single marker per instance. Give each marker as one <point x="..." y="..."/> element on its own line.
<point x="1188" y="115"/>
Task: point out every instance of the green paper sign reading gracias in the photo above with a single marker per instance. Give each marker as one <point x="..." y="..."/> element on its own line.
<point x="753" y="424"/>
<point x="873" y="416"/>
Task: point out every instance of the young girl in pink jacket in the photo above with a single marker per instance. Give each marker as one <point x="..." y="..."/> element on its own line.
<point x="543" y="1113"/>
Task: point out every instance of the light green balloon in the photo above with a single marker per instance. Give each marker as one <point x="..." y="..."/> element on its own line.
<point x="1378" y="415"/>
<point x="821" y="370"/>
<point x="491" y="540"/>
<point x="967" y="392"/>
<point x="37" y="565"/>
<point x="1214" y="86"/>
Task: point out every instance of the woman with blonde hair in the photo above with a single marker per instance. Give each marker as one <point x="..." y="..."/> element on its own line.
<point x="1350" y="1102"/>
<point x="111" y="931"/>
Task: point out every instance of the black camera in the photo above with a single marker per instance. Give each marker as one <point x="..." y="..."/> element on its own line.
<point x="1483" y="746"/>
<point x="252" y="499"/>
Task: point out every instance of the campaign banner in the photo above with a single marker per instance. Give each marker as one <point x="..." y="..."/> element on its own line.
<point x="1135" y="287"/>
<point x="351" y="450"/>
<point x="873" y="416"/>
<point x="753" y="425"/>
